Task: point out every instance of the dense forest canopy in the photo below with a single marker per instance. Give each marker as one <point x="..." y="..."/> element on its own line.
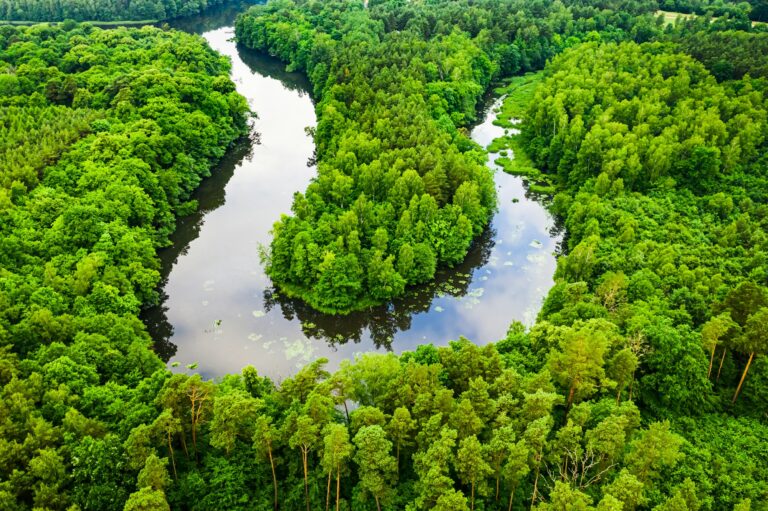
<point x="663" y="180"/>
<point x="105" y="135"/>
<point x="641" y="386"/>
<point x="102" y="10"/>
<point x="401" y="190"/>
<point x="729" y="55"/>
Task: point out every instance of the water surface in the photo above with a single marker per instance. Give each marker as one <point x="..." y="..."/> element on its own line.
<point x="219" y="309"/>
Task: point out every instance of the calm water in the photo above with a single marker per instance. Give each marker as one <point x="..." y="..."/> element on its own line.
<point x="219" y="309"/>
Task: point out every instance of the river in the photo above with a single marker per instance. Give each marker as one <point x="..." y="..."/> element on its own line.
<point x="218" y="308"/>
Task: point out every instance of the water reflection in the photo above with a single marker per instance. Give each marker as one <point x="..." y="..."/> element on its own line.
<point x="381" y="324"/>
<point x="212" y="19"/>
<point x="210" y="196"/>
<point x="219" y="309"/>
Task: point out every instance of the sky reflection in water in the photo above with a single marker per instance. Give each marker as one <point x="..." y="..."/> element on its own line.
<point x="219" y="310"/>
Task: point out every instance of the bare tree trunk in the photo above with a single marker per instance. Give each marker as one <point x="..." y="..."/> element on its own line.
<point x="398" y="458"/>
<point x="711" y="360"/>
<point x="472" y="505"/>
<point x="197" y="398"/>
<point x="536" y="480"/>
<point x="511" y="498"/>
<point x="304" y="453"/>
<point x="571" y="394"/>
<point x="194" y="440"/>
<point x="173" y="458"/>
<point x="183" y="436"/>
<point x="338" y="484"/>
<point x="378" y="506"/>
<point x="274" y="475"/>
<point x="743" y="376"/>
<point x="722" y="359"/>
<point x="328" y="492"/>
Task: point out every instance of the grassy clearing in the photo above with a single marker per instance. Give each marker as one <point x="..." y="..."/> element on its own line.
<point x="671" y="16"/>
<point x="512" y="156"/>
<point x="519" y="93"/>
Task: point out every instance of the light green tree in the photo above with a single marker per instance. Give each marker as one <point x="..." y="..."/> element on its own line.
<point x="376" y="466"/>
<point x="400" y="428"/>
<point x="337" y="450"/>
<point x="265" y="437"/>
<point x="472" y="466"/>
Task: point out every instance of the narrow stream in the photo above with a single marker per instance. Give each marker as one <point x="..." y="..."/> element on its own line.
<point x="219" y="310"/>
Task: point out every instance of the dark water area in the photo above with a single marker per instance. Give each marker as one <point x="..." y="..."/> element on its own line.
<point x="219" y="309"/>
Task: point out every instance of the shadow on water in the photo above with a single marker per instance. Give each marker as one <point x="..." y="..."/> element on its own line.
<point x="383" y="322"/>
<point x="212" y="19"/>
<point x="272" y="67"/>
<point x="210" y="196"/>
<point x="219" y="309"/>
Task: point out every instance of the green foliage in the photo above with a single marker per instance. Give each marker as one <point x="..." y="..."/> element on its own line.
<point x="729" y="55"/>
<point x="101" y="10"/>
<point x="376" y="467"/>
<point x="400" y="191"/>
<point x="105" y="135"/>
<point x="659" y="240"/>
<point x="743" y="11"/>
<point x="579" y="129"/>
<point x="659" y="310"/>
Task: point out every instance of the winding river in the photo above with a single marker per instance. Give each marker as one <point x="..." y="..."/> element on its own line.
<point x="218" y="308"/>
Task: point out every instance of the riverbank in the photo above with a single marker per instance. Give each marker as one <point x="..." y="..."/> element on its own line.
<point x="513" y="159"/>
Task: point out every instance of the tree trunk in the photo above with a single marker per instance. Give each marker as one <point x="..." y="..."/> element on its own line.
<point x="398" y="458"/>
<point x="194" y="440"/>
<point x="571" y="394"/>
<point x="722" y="359"/>
<point x="618" y="397"/>
<point x="511" y="498"/>
<point x="173" y="458"/>
<point x="472" y="500"/>
<point x="378" y="506"/>
<point x="338" y="484"/>
<point x="328" y="492"/>
<point x="304" y="454"/>
<point x="193" y="421"/>
<point x="183" y="435"/>
<point x="274" y="475"/>
<point x="346" y="412"/>
<point x="498" y="477"/>
<point x="743" y="376"/>
<point x="536" y="480"/>
<point x="711" y="360"/>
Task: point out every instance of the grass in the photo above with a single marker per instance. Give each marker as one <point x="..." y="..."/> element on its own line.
<point x="518" y="94"/>
<point x="671" y="16"/>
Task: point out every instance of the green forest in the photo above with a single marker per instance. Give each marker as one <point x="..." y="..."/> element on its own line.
<point x="756" y="10"/>
<point x="643" y="384"/>
<point x="102" y="10"/>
